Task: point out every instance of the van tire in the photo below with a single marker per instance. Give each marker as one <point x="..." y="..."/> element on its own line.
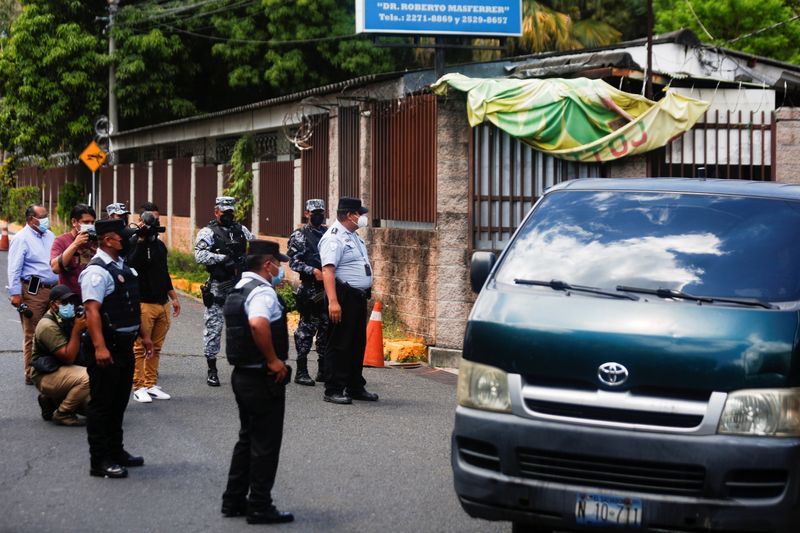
<point x="519" y="527"/>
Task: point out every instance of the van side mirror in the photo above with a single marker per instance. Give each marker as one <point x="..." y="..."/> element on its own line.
<point x="480" y="267"/>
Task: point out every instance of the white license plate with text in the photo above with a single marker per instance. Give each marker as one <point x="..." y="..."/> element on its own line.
<point x="607" y="511"/>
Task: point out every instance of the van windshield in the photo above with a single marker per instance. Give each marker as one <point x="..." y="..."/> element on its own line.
<point x="705" y="245"/>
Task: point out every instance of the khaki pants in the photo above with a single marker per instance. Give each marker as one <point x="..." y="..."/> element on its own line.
<point x="68" y="385"/>
<point x="38" y="303"/>
<point x="156" y="320"/>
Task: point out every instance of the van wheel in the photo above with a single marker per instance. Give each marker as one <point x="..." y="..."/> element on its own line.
<point x="519" y="527"/>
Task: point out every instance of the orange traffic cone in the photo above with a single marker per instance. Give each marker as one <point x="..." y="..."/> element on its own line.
<point x="373" y="354"/>
<point x="4" y="238"/>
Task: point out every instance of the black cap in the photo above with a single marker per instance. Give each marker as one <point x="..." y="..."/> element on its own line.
<point x="347" y="203"/>
<point x="61" y="293"/>
<point x="260" y="247"/>
<point x="113" y="225"/>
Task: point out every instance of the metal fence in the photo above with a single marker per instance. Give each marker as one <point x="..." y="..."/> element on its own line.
<point x="160" y="192"/>
<point x="728" y="145"/>
<point x="349" y="149"/>
<point x="276" y="202"/>
<point x="205" y="193"/>
<point x="404" y="159"/>
<point x="314" y="161"/>
<point x="181" y="187"/>
<point x="507" y="177"/>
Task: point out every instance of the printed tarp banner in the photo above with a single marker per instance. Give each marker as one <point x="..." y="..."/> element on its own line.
<point x="578" y="119"/>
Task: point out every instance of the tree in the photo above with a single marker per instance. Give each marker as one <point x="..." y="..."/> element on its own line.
<point x="52" y="77"/>
<point x="721" y="21"/>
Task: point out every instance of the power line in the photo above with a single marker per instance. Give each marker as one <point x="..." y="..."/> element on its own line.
<point x="762" y="30"/>
<point x="269" y="42"/>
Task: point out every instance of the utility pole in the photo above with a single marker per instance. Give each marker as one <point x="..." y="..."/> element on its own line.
<point x="113" y="5"/>
<point x="648" y="82"/>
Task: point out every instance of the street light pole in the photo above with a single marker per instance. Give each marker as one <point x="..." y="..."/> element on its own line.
<point x="113" y="5"/>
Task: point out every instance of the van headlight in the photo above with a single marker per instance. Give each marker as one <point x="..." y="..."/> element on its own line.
<point x="766" y="412"/>
<point x="483" y="387"/>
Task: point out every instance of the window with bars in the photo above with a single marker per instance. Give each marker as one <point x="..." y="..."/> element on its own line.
<point x="508" y="176"/>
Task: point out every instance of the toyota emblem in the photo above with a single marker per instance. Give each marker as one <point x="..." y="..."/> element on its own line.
<point x="612" y="374"/>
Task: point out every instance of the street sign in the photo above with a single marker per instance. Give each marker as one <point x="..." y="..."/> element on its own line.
<point x="440" y="17"/>
<point x="93" y="156"/>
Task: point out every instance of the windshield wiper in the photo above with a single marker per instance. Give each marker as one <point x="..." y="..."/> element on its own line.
<point x="672" y="293"/>
<point x="563" y="286"/>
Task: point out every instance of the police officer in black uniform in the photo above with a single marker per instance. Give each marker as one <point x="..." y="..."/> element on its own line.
<point x="257" y="344"/>
<point x="110" y="291"/>
<point x="303" y="252"/>
<point x="220" y="247"/>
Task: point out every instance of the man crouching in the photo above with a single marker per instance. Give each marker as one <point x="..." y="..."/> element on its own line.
<point x="64" y="386"/>
<point x="257" y="344"/>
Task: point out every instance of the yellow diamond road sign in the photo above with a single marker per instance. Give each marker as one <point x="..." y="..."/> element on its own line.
<point x="93" y="156"/>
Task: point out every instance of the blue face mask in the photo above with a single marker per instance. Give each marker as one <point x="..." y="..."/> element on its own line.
<point x="66" y="311"/>
<point x="44" y="224"/>
<point x="277" y="278"/>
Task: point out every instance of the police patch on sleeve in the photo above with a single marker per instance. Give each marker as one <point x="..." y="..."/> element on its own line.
<point x="96" y="280"/>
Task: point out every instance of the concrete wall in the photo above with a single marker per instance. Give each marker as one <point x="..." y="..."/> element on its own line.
<point x="787" y="149"/>
<point x="628" y="167"/>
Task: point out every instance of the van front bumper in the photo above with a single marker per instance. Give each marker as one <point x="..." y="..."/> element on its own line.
<point x="500" y="489"/>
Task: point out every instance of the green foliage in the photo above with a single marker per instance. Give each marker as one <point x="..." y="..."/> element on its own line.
<point x="14" y="202"/>
<point x="8" y="172"/>
<point x="184" y="266"/>
<point x="70" y="195"/>
<point x="52" y="76"/>
<point x="286" y="293"/>
<point x="724" y="20"/>
<point x="241" y="180"/>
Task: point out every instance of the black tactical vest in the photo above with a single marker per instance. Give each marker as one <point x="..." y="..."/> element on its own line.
<point x="228" y="241"/>
<point x="120" y="309"/>
<point x="311" y="255"/>
<point x="240" y="348"/>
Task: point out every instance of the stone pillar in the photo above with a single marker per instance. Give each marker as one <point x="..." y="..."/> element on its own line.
<point x="220" y="179"/>
<point x="787" y="145"/>
<point x="256" y="198"/>
<point x="365" y="155"/>
<point x="193" y="196"/>
<point x="298" y="190"/>
<point x="628" y="167"/>
<point x="453" y="296"/>
<point x="114" y="184"/>
<point x="169" y="201"/>
<point x="334" y="184"/>
<point x="150" y="183"/>
<point x="132" y="205"/>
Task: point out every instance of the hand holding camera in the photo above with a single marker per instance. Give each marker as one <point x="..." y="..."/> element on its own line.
<point x="24" y="310"/>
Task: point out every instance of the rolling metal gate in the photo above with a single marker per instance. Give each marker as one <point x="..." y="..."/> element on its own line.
<point x="507" y="177"/>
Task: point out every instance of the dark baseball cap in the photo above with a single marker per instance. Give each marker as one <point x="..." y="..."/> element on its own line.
<point x="115" y="225"/>
<point x="262" y="247"/>
<point x="61" y="293"/>
<point x="349" y="204"/>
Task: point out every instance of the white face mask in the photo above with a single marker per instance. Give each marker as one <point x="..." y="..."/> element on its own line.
<point x="363" y="221"/>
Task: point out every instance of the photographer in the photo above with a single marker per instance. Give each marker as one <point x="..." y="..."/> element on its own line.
<point x="72" y="251"/>
<point x="64" y="385"/>
<point x="149" y="258"/>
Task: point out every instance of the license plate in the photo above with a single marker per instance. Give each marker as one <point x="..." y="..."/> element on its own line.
<point x="607" y="511"/>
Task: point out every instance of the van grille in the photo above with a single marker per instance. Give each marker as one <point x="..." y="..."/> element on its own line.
<point x="594" y="471"/>
<point x="478" y="453"/>
<point x="648" y="418"/>
<point x="755" y="484"/>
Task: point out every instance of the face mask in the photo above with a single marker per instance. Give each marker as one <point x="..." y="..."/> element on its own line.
<point x="86" y="228"/>
<point x="277" y="278"/>
<point x="66" y="311"/>
<point x="126" y="246"/>
<point x="317" y="219"/>
<point x="226" y="219"/>
<point x="363" y="221"/>
<point x="44" y="224"/>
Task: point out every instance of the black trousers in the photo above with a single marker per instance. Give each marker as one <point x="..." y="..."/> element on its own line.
<point x="344" y="358"/>
<point x="254" y="463"/>
<point x="110" y="389"/>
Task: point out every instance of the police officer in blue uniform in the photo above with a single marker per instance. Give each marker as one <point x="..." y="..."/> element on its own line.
<point x="110" y="291"/>
<point x="347" y="276"/>
<point x="257" y="344"/>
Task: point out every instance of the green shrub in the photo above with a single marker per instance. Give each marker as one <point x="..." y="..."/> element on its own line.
<point x="70" y="195"/>
<point x="287" y="294"/>
<point x="184" y="266"/>
<point x="14" y="201"/>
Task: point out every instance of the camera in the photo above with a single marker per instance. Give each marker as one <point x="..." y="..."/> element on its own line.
<point x="150" y="225"/>
<point x="79" y="311"/>
<point x="89" y="230"/>
<point x="24" y="310"/>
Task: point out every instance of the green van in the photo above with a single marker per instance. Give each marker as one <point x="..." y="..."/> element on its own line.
<point x="633" y="362"/>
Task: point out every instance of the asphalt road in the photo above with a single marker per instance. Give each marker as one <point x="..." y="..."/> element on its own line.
<point x="365" y="467"/>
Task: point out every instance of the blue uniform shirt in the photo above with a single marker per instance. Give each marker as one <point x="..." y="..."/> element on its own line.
<point x="345" y="251"/>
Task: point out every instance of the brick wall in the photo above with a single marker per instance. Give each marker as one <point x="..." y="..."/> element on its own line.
<point x="787" y="152"/>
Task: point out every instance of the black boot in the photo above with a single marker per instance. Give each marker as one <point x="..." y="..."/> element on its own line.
<point x="302" y="377"/>
<point x="320" y="370"/>
<point x="213" y="378"/>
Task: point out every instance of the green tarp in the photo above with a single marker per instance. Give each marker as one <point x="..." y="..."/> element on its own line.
<point x="578" y="119"/>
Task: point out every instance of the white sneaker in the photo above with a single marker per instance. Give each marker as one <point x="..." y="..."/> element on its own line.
<point x="156" y="392"/>
<point x="141" y="396"/>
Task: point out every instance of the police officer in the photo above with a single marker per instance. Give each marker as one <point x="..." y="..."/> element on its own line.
<point x="220" y="246"/>
<point x="257" y="344"/>
<point x="303" y="251"/>
<point x="110" y="292"/>
<point x="118" y="210"/>
<point x="347" y="276"/>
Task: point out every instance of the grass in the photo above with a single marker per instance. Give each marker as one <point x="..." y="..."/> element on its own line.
<point x="183" y="265"/>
